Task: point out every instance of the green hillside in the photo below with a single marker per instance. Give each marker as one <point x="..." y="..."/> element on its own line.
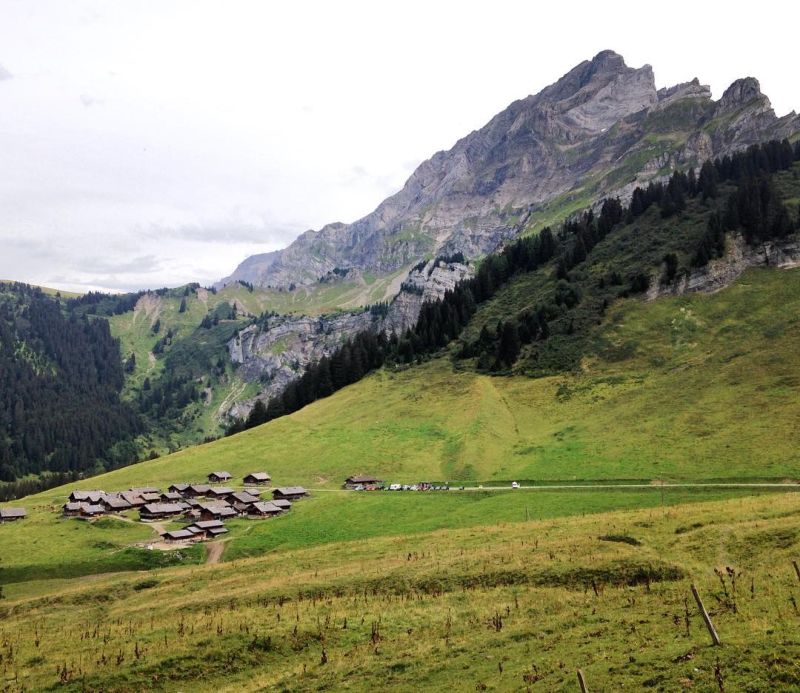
<point x="693" y="387"/>
<point x="698" y="388"/>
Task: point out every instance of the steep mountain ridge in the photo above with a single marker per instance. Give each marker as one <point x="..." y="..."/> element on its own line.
<point x="601" y="129"/>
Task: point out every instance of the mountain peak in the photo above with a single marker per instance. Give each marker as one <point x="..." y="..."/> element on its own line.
<point x="559" y="144"/>
<point x="609" y="60"/>
<point x="742" y="92"/>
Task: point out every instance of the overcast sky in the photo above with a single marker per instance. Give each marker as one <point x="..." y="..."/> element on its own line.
<point x="145" y="144"/>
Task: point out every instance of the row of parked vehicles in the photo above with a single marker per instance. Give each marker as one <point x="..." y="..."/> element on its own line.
<point x="417" y="487"/>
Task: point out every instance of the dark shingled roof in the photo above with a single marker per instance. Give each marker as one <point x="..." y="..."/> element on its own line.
<point x="163" y="508"/>
<point x="116" y="503"/>
<point x="258" y="476"/>
<point x="178" y="534"/>
<point x="221" y="475"/>
<point x="362" y="480"/>
<point x="9" y="513"/>
<point x="266" y="508"/>
<point x="282" y="503"/>
<point x="91" y="496"/>
<point x="221" y="491"/>
<point x="208" y="524"/>
<point x="243" y="497"/>
<point x="290" y="491"/>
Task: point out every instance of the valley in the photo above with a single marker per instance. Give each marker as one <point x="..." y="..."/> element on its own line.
<point x="579" y="326"/>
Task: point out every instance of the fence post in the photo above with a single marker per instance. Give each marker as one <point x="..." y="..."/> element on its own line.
<point x="711" y="630"/>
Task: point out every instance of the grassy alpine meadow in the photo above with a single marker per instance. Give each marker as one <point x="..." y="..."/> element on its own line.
<point x="691" y="389"/>
<point x="515" y="606"/>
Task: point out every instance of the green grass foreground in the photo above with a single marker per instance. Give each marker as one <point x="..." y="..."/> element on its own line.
<point x="513" y="606"/>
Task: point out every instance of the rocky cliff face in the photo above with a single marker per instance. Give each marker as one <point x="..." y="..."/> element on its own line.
<point x="601" y="129"/>
<point x="280" y="349"/>
<point x="722" y="272"/>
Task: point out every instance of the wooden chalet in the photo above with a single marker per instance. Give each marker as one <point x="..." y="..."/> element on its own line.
<point x="352" y="481"/>
<point x="264" y="509"/>
<point x="216" y="511"/>
<point x="242" y="500"/>
<point x="283" y="504"/>
<point x="290" y="493"/>
<point x="220" y="492"/>
<point x="133" y="498"/>
<point x="151" y="497"/>
<point x="257" y="478"/>
<point x="92" y="510"/>
<point x="208" y="528"/>
<point x="86" y="496"/>
<point x="157" y="511"/>
<point x="71" y="509"/>
<point x="171" y="496"/>
<point x="219" y="477"/>
<point x="178" y="535"/>
<point x="178" y="488"/>
<point x="115" y="504"/>
<point x="12" y="514"/>
<point x="196" y="490"/>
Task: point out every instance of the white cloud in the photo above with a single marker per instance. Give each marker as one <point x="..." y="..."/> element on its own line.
<point x="169" y="139"/>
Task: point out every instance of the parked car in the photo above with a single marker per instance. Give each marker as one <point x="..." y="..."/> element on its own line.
<point x="514" y="484"/>
<point x="395" y="487"/>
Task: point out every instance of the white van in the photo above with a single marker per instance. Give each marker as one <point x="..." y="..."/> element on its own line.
<point x="514" y="484"/>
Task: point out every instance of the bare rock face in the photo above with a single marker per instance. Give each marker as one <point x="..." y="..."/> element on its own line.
<point x="601" y="129"/>
<point x="722" y="272"/>
<point x="428" y="283"/>
<point x="281" y="349"/>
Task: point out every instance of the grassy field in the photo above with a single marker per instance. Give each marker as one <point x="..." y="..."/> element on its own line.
<point x="515" y="606"/>
<point x="694" y="388"/>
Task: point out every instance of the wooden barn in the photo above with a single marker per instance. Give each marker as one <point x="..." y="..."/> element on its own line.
<point x="219" y="477"/>
<point x="157" y="511"/>
<point x="178" y="535"/>
<point x="216" y="511"/>
<point x="242" y="500"/>
<point x="264" y="509"/>
<point x="115" y="504"/>
<point x="257" y="478"/>
<point x="352" y="481"/>
<point x="290" y="493"/>
<point x="196" y="491"/>
<point x="12" y="514"/>
<point x="71" y="509"/>
<point x="86" y="496"/>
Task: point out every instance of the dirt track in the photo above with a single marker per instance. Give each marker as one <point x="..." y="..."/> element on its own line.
<point x="214" y="551"/>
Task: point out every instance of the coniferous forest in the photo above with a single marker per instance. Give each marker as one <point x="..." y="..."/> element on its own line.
<point x="60" y="379"/>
